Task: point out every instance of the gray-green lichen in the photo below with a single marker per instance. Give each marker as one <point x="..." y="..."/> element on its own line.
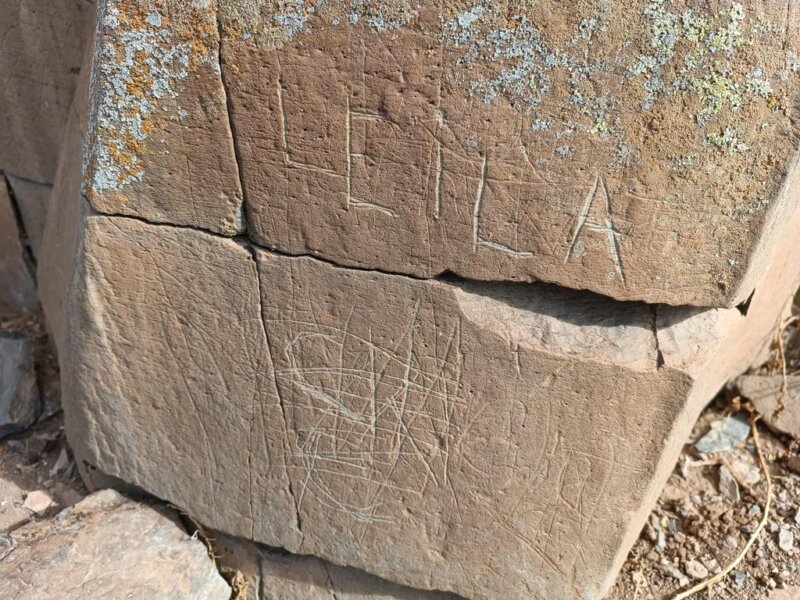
<point x="727" y="139"/>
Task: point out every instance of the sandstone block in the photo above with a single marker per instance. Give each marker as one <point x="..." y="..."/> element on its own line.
<point x="109" y="547"/>
<point x="476" y="437"/>
<point x="642" y="150"/>
<point x="19" y="393"/>
<point x="468" y="437"/>
<point x="58" y="252"/>
<point x="158" y="118"/>
<point x="17" y="287"/>
<point x="41" y="56"/>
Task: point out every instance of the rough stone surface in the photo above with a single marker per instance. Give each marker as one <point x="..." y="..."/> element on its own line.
<point x="33" y="200"/>
<point x="560" y="141"/>
<point x="17" y="287"/>
<point x="272" y="575"/>
<point x="19" y="394"/>
<point x="189" y="329"/>
<point x="395" y="425"/>
<point x="641" y="150"/>
<point x="158" y="117"/>
<point x="479" y="438"/>
<point x="42" y="51"/>
<point x="109" y="547"/>
<point x="38" y="502"/>
<point x="779" y="406"/>
<point x="58" y="253"/>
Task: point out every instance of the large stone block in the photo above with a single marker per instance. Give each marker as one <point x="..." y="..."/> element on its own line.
<point x="491" y="439"/>
<point x="642" y="150"/>
<point x="469" y="437"/>
<point x="40" y="58"/>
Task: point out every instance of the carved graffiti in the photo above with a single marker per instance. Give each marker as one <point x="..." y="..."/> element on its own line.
<point x="596" y="216"/>
<point x="365" y="413"/>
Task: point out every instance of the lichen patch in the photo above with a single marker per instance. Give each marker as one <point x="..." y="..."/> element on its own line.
<point x="142" y="55"/>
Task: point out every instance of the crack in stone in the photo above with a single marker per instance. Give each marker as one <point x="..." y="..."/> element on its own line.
<point x="329" y="581"/>
<point x="660" y="361"/>
<point x="298" y="518"/>
<point x="448" y="277"/>
<point x="24" y="239"/>
<point x="231" y="125"/>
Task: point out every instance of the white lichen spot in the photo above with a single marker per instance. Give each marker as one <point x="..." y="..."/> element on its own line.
<point x="541" y="124"/>
<point x="757" y="84"/>
<point x="727" y="140"/>
<point x="381" y="16"/>
<point x="793" y="62"/>
<point x="468" y="17"/>
<point x="564" y="151"/>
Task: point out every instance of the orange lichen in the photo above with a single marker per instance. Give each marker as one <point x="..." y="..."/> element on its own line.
<point x="149" y="47"/>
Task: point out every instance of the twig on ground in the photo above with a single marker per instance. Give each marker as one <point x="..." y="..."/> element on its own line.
<point x="782" y="358"/>
<point x="754" y="417"/>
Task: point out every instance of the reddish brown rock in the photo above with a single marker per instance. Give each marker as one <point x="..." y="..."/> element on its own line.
<point x="640" y="150"/>
<point x="637" y="150"/>
<point x="160" y="145"/>
<point x="42" y="52"/>
<point x="391" y="424"/>
<point x="271" y="575"/>
<point x="777" y="400"/>
<point x="480" y="438"/>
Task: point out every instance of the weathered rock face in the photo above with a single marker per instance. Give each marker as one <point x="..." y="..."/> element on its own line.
<point x="271" y="575"/>
<point x="41" y="56"/>
<point x="12" y="512"/>
<point x="639" y="149"/>
<point x="397" y="425"/>
<point x="477" y="437"/>
<point x="19" y="393"/>
<point x="777" y="400"/>
<point x="158" y="119"/>
<point x="109" y="547"/>
<point x="17" y="287"/>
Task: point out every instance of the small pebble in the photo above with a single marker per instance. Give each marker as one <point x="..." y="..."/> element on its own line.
<point x="672" y="526"/>
<point x="38" y="501"/>
<point x="695" y="569"/>
<point x="739" y="579"/>
<point x="786" y="540"/>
